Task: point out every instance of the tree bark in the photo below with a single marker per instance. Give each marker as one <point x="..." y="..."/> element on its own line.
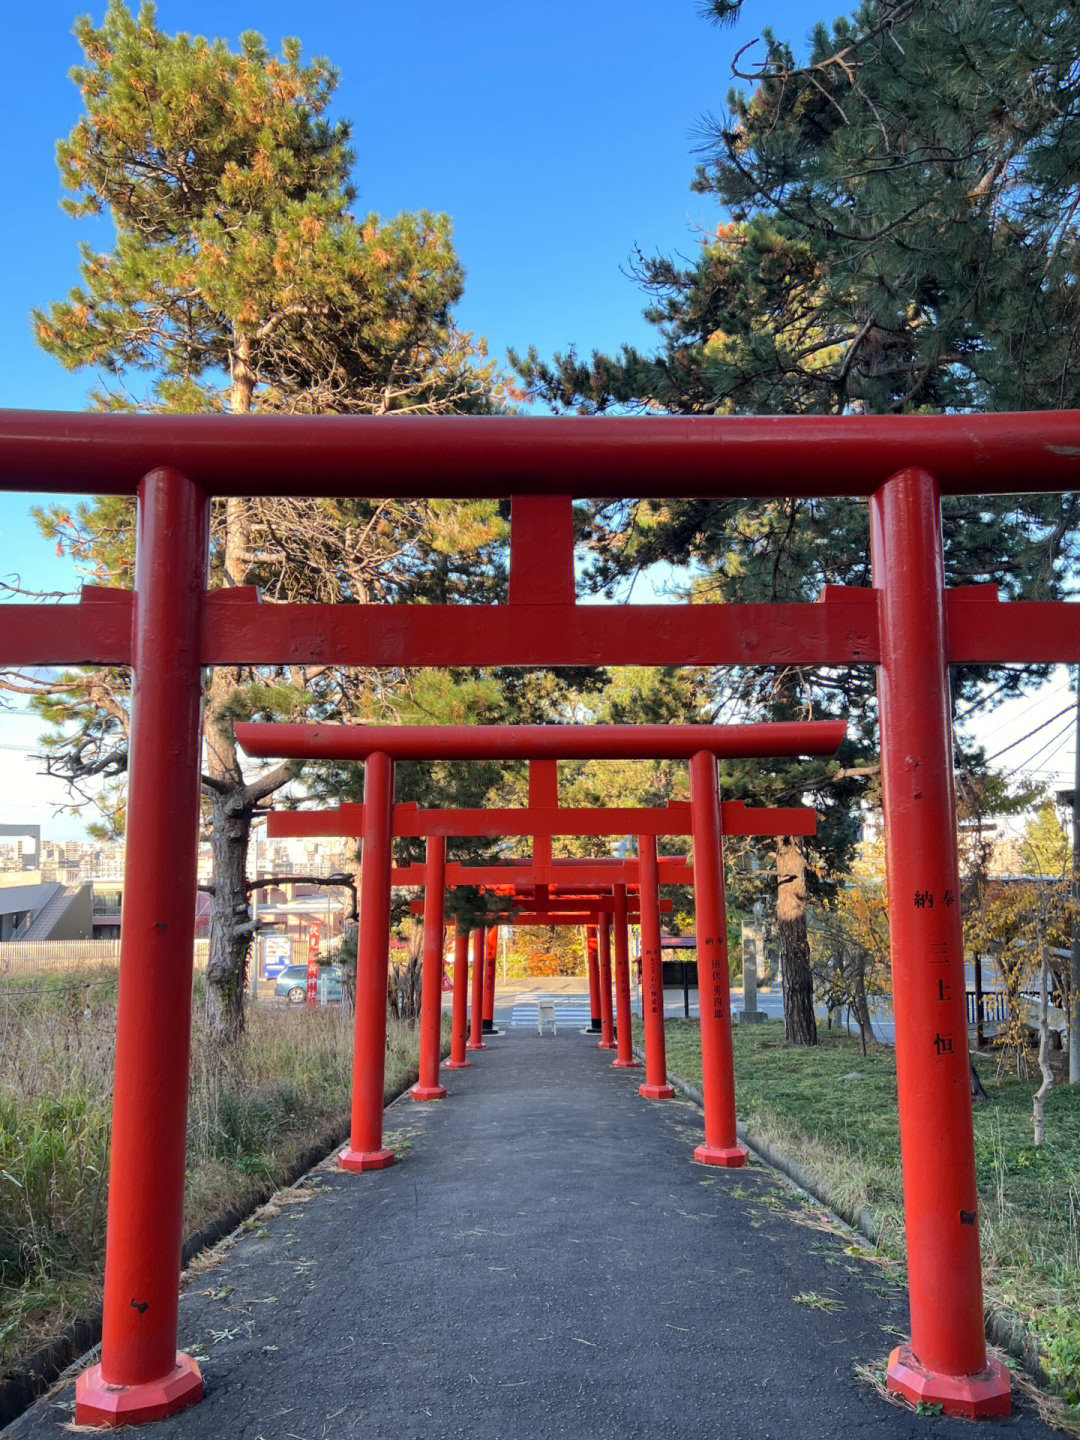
<point x="859" y="1002"/>
<point x="406" y="978"/>
<point x="352" y="932"/>
<point x="1038" y="1104"/>
<point x="230" y="921"/>
<point x="231" y="808"/>
<point x="800" y="1025"/>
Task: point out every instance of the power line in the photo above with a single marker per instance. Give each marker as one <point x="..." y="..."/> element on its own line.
<point x="1055" y="741"/>
<point x="1068" y="710"/>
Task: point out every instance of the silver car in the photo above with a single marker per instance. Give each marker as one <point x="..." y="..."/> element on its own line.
<point x="291" y="984"/>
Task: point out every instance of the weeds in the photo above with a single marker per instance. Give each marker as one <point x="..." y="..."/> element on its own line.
<point x="813" y="1301"/>
<point x="1059" y="1334"/>
<point x="249" y="1117"/>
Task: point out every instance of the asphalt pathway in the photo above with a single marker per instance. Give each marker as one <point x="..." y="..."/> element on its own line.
<point x="543" y="1261"/>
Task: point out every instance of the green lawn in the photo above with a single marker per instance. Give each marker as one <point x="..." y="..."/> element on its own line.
<point x="834" y="1111"/>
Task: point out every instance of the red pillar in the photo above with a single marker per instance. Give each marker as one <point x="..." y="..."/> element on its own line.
<point x="607" y="1041"/>
<point x="141" y="1376"/>
<point x="714" y="982"/>
<point x="428" y="1087"/>
<point x="656" y="1085"/>
<point x="592" y="952"/>
<point x="459" y="1027"/>
<point x="366" y="1150"/>
<point x="491" y="954"/>
<point x="625" y="1058"/>
<point x="476" y="1035"/>
<point x="946" y="1363"/>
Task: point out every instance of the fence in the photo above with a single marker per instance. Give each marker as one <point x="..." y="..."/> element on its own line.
<point x="53" y="957"/>
<point x="995" y="1007"/>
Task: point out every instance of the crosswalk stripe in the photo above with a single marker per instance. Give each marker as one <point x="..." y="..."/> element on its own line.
<point x="524" y="1016"/>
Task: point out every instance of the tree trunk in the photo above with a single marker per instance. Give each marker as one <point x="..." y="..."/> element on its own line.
<point x="859" y="1002"/>
<point x="800" y="1026"/>
<point x="406" y="977"/>
<point x="230" y="810"/>
<point x="1038" y="1104"/>
<point x="242" y="377"/>
<point x="230" y="921"/>
<point x="352" y="933"/>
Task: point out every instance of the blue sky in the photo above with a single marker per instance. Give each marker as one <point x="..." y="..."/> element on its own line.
<point x="557" y="137"/>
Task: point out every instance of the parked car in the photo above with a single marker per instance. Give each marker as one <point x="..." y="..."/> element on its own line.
<point x="291" y="984"/>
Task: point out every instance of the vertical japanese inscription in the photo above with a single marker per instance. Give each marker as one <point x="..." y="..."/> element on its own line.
<point x="717" y="961"/>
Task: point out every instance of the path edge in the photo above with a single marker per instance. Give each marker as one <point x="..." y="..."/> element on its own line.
<point x="1003" y="1330"/>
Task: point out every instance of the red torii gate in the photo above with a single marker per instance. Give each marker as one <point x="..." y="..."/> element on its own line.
<point x="379" y="747"/>
<point x="541" y="873"/>
<point x="674" y="872"/>
<point x="590" y="909"/>
<point x="908" y="626"/>
<point x="598" y="911"/>
<point x="543" y="818"/>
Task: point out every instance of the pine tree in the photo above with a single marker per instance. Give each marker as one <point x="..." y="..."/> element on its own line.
<point x="240" y="281"/>
<point x="239" y="278"/>
<point x="899" y="234"/>
<point x="900" y="227"/>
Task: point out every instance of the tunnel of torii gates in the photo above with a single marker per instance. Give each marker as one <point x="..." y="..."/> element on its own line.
<point x="908" y="626"/>
<point x="594" y="892"/>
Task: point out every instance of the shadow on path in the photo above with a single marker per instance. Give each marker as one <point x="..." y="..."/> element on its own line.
<point x="543" y="1261"/>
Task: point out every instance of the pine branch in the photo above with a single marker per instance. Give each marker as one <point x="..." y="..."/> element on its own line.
<point x="339" y="881"/>
<point x="265" y="785"/>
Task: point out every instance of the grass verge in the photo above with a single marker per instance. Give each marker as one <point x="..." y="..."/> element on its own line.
<point x="833" y="1111"/>
<point x="251" y="1117"/>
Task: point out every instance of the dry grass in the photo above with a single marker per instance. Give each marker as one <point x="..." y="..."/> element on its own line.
<point x="250" y="1117"/>
<point x="1051" y="1409"/>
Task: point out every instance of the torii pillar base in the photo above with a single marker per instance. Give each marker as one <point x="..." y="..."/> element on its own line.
<point x="102" y="1404"/>
<point x="656" y="1092"/>
<point x="626" y="1064"/>
<point x="730" y="1157"/>
<point x="607" y="1045"/>
<point x="475" y="1045"/>
<point x="457" y="1064"/>
<point x="357" y="1160"/>
<point x="427" y="1092"/>
<point x="984" y="1396"/>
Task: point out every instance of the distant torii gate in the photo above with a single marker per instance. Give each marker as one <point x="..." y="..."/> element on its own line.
<point x="543" y="819"/>
<point x="380" y="746"/>
<point x="594" y="910"/>
<point x="590" y="909"/>
<point x="171" y="627"/>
